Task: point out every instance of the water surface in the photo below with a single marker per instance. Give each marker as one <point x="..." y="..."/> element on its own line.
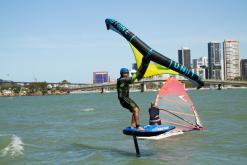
<point x="87" y="129"/>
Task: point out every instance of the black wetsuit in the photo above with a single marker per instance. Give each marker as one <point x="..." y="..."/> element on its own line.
<point x="154" y="116"/>
<point x="123" y="92"/>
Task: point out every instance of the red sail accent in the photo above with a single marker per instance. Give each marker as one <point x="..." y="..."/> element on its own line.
<point x="176" y="106"/>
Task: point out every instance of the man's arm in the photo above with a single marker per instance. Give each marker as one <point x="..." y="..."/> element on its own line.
<point x="131" y="79"/>
<point x="134" y="77"/>
<point x="127" y="80"/>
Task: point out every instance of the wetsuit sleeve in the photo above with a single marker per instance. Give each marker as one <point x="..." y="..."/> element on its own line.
<point x="126" y="80"/>
<point x="129" y="80"/>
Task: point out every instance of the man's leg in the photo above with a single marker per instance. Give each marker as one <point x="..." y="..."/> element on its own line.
<point x="133" y="107"/>
<point x="135" y="118"/>
<point x="133" y="122"/>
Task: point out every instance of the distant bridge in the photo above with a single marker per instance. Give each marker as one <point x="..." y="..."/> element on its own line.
<point x="102" y="87"/>
<point x="29" y="82"/>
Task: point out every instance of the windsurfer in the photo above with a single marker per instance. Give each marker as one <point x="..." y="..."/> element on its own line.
<point x="154" y="115"/>
<point x="123" y="96"/>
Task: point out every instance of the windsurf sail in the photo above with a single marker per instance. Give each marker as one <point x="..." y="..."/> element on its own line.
<point x="153" y="68"/>
<point x="150" y="55"/>
<point x="176" y="107"/>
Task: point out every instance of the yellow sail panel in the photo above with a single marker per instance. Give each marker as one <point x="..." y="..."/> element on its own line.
<point x="153" y="68"/>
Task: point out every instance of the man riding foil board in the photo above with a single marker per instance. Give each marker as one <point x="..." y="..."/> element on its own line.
<point x="123" y="96"/>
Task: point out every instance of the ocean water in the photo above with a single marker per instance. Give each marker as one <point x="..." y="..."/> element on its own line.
<point x="87" y="129"/>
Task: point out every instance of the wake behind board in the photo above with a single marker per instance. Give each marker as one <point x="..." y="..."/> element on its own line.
<point x="170" y="133"/>
<point x="149" y="130"/>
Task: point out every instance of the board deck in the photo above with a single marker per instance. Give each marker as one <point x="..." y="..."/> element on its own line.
<point x="149" y="130"/>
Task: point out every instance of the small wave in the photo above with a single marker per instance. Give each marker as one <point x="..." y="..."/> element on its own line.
<point x="87" y="110"/>
<point x="14" y="148"/>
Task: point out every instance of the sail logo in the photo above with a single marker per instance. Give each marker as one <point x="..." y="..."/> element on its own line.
<point x="181" y="68"/>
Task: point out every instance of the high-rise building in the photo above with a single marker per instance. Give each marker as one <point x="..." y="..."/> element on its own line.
<point x="195" y="65"/>
<point x="200" y="66"/>
<point x="243" y="65"/>
<point x="184" y="57"/>
<point x="214" y="60"/>
<point x="202" y="61"/>
<point x="100" y="77"/>
<point x="231" y="59"/>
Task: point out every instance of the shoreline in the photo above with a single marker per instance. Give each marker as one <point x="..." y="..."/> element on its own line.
<point x="113" y="91"/>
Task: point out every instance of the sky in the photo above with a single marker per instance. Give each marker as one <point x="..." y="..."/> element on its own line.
<point x="55" y="40"/>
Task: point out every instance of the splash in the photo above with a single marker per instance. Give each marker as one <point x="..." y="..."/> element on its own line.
<point x="14" y="148"/>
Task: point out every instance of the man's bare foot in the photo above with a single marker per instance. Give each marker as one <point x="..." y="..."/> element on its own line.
<point x="140" y="128"/>
<point x="132" y="126"/>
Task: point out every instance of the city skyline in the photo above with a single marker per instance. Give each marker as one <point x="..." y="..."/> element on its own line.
<point x="56" y="40"/>
<point x="226" y="67"/>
